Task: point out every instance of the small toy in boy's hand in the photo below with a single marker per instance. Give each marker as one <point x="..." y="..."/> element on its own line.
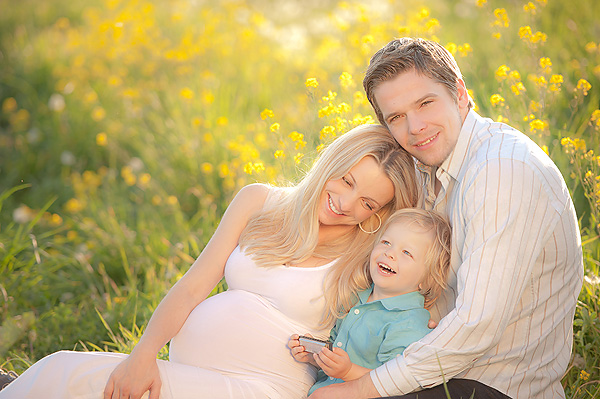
<point x="314" y="345"/>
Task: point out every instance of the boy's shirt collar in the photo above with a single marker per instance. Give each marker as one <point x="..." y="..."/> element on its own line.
<point x="411" y="300"/>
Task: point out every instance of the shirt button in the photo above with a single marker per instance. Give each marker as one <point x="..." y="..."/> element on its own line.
<point x="356" y="311"/>
<point x="339" y="344"/>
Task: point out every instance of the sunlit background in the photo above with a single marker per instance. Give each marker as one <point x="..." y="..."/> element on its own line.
<point x="127" y="126"/>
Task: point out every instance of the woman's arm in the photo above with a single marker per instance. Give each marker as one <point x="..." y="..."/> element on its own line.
<point x="139" y="372"/>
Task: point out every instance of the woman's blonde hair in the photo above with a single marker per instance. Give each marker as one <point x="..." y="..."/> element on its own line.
<point x="286" y="231"/>
<point x="437" y="261"/>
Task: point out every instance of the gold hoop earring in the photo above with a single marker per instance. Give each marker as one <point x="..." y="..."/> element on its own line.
<point x="374" y="231"/>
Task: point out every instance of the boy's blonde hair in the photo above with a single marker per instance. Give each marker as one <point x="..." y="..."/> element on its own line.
<point x="437" y="260"/>
<point x="286" y="231"/>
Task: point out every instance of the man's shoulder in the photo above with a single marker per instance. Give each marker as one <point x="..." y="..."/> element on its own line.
<point x="493" y="142"/>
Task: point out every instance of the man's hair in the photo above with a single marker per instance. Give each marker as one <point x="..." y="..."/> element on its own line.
<point x="437" y="261"/>
<point x="425" y="57"/>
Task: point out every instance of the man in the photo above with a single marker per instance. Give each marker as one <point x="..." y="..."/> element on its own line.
<point x="505" y="328"/>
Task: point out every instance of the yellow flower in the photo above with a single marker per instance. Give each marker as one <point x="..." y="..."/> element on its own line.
<point x="502" y="19"/>
<point x="101" y="139"/>
<point x="537" y="124"/>
<point x="432" y="25"/>
<point x="343" y="108"/>
<point x="534" y="106"/>
<point x="584" y="86"/>
<point x="514" y="75"/>
<point x="367" y="39"/>
<point x="539" y="37"/>
<point x="331" y="95"/>
<point x="327" y="132"/>
<point x="222" y="121"/>
<point x="591" y="47"/>
<point x="525" y="32"/>
<point x="172" y="200"/>
<point x="144" y="180"/>
<point x="279" y="154"/>
<point x="451" y="47"/>
<point x="206" y="167"/>
<point x="502" y="119"/>
<point x="545" y="149"/>
<point x="98" y="113"/>
<point x="584" y="375"/>
<point x="481" y="3"/>
<point x="326" y="110"/>
<point x="73" y="206"/>
<point x="596" y="117"/>
<point x="312" y="82"/>
<point x="496" y="100"/>
<point x="530" y="7"/>
<point x="266" y="113"/>
<point x="197" y="121"/>
<point x="186" y="93"/>
<point x="275" y="127"/>
<point x="502" y="72"/>
<point x="465" y="49"/>
<point x="298" y="157"/>
<point x="9" y="105"/>
<point x="517" y="88"/>
<point x="545" y="63"/>
<point x="346" y="80"/>
<point x="208" y="97"/>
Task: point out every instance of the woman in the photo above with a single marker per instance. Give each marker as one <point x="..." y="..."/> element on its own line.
<point x="291" y="258"/>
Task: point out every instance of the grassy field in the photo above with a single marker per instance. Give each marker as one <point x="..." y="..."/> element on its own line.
<point x="126" y="126"/>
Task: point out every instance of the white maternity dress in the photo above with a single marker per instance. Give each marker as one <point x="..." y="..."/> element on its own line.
<point x="233" y="345"/>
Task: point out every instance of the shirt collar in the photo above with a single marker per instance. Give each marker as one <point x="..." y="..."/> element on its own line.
<point x="453" y="165"/>
<point x="412" y="300"/>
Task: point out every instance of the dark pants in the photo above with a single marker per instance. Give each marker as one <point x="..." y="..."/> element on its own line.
<point x="459" y="389"/>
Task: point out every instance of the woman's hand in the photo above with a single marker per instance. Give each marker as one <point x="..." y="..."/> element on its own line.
<point x="133" y="377"/>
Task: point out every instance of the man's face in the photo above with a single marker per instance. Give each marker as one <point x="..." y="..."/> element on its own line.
<point x="422" y="115"/>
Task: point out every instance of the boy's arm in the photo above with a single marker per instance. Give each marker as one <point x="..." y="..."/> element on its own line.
<point x="337" y="364"/>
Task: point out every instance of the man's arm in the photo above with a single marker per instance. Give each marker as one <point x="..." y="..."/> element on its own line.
<point x="356" y="389"/>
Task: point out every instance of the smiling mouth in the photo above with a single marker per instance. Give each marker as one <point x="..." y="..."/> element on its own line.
<point x="385" y="268"/>
<point x="429" y="140"/>
<point x="332" y="207"/>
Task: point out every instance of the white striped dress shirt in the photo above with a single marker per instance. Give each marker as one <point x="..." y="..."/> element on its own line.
<point x="516" y="271"/>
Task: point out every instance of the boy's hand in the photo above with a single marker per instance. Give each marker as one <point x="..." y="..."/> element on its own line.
<point x="298" y="350"/>
<point x="334" y="363"/>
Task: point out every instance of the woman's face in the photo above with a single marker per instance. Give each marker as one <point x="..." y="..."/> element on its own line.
<point x="360" y="193"/>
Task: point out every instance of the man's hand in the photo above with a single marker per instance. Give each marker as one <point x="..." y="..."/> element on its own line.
<point x="362" y="388"/>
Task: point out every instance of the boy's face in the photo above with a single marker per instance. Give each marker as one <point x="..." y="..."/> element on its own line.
<point x="398" y="260"/>
<point x="422" y="115"/>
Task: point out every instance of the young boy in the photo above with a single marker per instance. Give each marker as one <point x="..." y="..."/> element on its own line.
<point x="408" y="265"/>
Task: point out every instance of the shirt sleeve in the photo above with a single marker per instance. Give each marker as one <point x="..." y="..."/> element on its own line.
<point x="507" y="215"/>
<point x="408" y="329"/>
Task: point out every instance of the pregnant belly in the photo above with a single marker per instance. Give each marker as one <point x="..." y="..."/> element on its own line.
<point x="238" y="333"/>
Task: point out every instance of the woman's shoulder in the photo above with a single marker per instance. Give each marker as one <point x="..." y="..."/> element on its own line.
<point x="260" y="193"/>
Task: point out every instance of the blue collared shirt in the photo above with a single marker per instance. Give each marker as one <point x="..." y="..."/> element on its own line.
<point x="374" y="332"/>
